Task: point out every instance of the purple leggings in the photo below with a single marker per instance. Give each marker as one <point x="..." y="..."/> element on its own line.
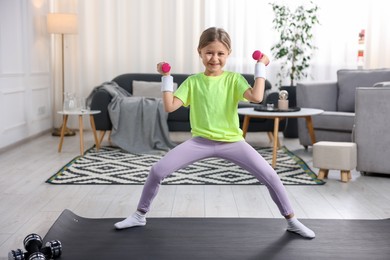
<point x="197" y="148"/>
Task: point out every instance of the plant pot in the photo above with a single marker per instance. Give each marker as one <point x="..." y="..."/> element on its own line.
<point x="291" y="129"/>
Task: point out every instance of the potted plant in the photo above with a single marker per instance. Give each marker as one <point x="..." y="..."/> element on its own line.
<point x="295" y="47"/>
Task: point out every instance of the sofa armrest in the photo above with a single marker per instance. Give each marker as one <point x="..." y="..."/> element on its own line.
<point x="382" y="84"/>
<point x="317" y="95"/>
<point x="100" y="101"/>
<point x="371" y="132"/>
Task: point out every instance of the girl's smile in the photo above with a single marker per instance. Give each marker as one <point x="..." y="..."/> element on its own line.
<point x="214" y="58"/>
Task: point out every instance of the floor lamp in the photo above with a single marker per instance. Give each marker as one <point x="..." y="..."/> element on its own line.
<point x="61" y="23"/>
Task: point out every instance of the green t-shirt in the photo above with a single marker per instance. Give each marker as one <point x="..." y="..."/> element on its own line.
<point x="214" y="102"/>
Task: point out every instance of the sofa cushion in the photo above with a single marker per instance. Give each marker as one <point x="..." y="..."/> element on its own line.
<point x="334" y="121"/>
<point x="148" y="89"/>
<point x="181" y="114"/>
<point x="349" y="80"/>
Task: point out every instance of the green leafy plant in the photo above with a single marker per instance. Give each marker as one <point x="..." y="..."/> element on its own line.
<point x="294" y="48"/>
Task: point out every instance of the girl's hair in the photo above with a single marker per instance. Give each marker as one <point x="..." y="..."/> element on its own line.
<point x="214" y="34"/>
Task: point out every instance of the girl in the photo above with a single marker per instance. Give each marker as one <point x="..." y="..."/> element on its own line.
<point x="213" y="96"/>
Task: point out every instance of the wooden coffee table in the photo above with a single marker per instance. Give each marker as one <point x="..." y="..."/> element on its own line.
<point x="277" y="116"/>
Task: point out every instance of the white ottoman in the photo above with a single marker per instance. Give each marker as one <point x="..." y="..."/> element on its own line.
<point x="335" y="156"/>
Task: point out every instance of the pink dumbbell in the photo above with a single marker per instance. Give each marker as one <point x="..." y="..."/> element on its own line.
<point x="257" y="55"/>
<point x="166" y="67"/>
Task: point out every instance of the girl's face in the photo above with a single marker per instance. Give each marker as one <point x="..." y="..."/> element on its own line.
<point x="214" y="58"/>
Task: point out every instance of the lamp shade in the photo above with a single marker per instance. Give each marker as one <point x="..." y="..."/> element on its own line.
<point x="62" y="23"/>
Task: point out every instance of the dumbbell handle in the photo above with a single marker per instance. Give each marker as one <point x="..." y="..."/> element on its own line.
<point x="166" y="67"/>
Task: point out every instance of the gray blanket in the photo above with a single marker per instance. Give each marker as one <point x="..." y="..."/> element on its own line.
<point x="139" y="124"/>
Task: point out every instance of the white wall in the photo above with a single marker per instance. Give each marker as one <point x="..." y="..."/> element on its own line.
<point x="25" y="87"/>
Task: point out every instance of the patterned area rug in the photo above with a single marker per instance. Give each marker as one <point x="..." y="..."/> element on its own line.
<point x="111" y="165"/>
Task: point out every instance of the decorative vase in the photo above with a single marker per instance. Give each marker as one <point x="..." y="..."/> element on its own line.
<point x="291" y="129"/>
<point x="282" y="104"/>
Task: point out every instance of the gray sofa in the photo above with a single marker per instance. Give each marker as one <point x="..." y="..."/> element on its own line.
<point x="372" y="126"/>
<point x="177" y="120"/>
<point x="367" y="117"/>
<point x="337" y="99"/>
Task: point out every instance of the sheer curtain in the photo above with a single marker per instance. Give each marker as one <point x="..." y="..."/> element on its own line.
<point x="249" y="23"/>
<point x="378" y="35"/>
<point x="133" y="36"/>
<point x="125" y="36"/>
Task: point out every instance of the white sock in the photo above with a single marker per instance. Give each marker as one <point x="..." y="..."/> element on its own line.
<point x="294" y="225"/>
<point x="137" y="219"/>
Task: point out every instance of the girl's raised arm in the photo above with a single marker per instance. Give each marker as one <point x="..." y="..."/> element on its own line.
<point x="171" y="103"/>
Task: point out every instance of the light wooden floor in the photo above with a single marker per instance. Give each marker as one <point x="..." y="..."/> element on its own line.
<point x="29" y="205"/>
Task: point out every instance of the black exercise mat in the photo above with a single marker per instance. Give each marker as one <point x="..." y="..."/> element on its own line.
<point x="219" y="238"/>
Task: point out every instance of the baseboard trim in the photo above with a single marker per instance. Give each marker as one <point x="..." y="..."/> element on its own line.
<point x="23" y="141"/>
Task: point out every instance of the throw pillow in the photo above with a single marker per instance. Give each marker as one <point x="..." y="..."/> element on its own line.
<point x="148" y="89"/>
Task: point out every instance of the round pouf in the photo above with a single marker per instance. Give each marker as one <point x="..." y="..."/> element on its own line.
<point x="335" y="156"/>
